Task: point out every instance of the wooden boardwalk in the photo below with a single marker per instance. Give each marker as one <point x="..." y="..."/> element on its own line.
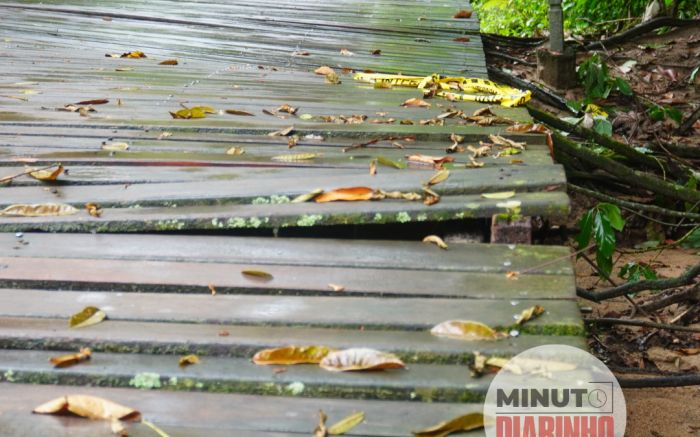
<point x="181" y="216"/>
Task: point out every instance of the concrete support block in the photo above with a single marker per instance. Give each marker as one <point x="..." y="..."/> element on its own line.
<point x="557" y="69"/>
<point x="517" y="232"/>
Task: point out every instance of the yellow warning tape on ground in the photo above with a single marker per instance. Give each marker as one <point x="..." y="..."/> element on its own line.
<point x="454" y="88"/>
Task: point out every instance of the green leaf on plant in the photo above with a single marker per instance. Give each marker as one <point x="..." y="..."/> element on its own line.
<point x="623" y="86"/>
<point x="603" y="126"/>
<point x="633" y="272"/>
<point x="612" y="213"/>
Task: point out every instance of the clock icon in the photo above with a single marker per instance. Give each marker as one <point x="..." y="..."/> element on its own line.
<point x="597" y="398"/>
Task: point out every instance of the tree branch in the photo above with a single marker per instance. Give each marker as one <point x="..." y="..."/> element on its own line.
<point x="643" y="323"/>
<point x="641" y="29"/>
<point x="662" y="381"/>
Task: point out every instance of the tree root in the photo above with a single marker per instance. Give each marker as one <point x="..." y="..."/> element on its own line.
<point x="540" y="93"/>
<point x="641" y="29"/>
<point x="661" y="381"/>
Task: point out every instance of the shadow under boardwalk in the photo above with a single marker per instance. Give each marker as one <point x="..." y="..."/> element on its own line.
<point x="225" y="175"/>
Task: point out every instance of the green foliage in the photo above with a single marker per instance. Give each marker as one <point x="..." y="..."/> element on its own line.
<point x="660" y="113"/>
<point x="600" y="224"/>
<point x="597" y="82"/>
<point x="692" y="241"/>
<point x="633" y="272"/>
<point x="512" y="214"/>
<point x="512" y="17"/>
<point x="145" y="380"/>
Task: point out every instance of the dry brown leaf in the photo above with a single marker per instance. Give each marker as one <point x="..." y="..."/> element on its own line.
<point x="90" y="407"/>
<point x="324" y="70"/>
<point x="375" y="52"/>
<point x="257" y="275"/>
<point x="335" y="287"/>
<point x="46" y="175"/>
<point x="288" y="109"/>
<point x="468" y="422"/>
<point x="477" y="367"/>
<point x="505" y="142"/>
<point x="71" y="359"/>
<point x="346" y="194"/>
<point x="360" y="359"/>
<point x="87" y="317"/>
<point x="461" y="39"/>
<point x="431" y="200"/>
<point x="282" y="132"/>
<point x="238" y="112"/>
<point x="307" y="196"/>
<point x="321" y="430"/>
<point x="92" y="102"/>
<point x="440" y="176"/>
<point x="473" y="163"/>
<point x="346" y="424"/>
<point x="478" y="152"/>
<point x="188" y="360"/>
<point x="373" y="167"/>
<point x="346" y="52"/>
<point x="38" y="210"/>
<point x="333" y="79"/>
<point x="529" y="314"/>
<point x="212" y="289"/>
<point x="672" y="361"/>
<point x="168" y="62"/>
<point x="463" y="14"/>
<point x="290" y="355"/>
<point x="436" y="161"/>
<point x="235" y="151"/>
<point x="94" y="209"/>
<point x="292" y="141"/>
<point x="415" y="102"/>
<point x="434" y="239"/>
<point x="512" y="275"/>
<point x="465" y="330"/>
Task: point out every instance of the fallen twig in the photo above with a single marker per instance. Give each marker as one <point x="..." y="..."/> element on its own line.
<point x="689" y="122"/>
<point x="641" y="29"/>
<point x="692" y="293"/>
<point x="643" y="323"/>
<point x="662" y="381"/>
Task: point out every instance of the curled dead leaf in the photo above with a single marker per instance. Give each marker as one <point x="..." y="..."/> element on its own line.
<point x="282" y="132"/>
<point x="239" y="112"/>
<point x="513" y="276"/>
<point x="90" y="407"/>
<point x="346" y="52"/>
<point x="93" y="209"/>
<point x="529" y="314"/>
<point x="373" y="167"/>
<point x="168" y="62"/>
<point x="335" y="287"/>
<point x="164" y="135"/>
<point x="360" y="359"/>
<point x="324" y="70"/>
<point x="468" y="422"/>
<point x="92" y="102"/>
<point x="434" y="239"/>
<point x="465" y="330"/>
<point x="440" y="176"/>
<point x="290" y="355"/>
<point x="38" y="210"/>
<point x="321" y="430"/>
<point x="436" y="161"/>
<point x="71" y="359"/>
<point x="89" y="316"/>
<point x="288" y="109"/>
<point x="307" y="196"/>
<point x="235" y="151"/>
<point x="257" y="275"/>
<point x="415" y="102"/>
<point x="135" y="54"/>
<point x="462" y="14"/>
<point x="212" y="289"/>
<point x="46" y="175"/>
<point x="346" y="424"/>
<point x="188" y="360"/>
<point x="346" y="194"/>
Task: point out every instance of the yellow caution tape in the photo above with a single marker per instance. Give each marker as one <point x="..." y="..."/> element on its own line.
<point x="446" y="86"/>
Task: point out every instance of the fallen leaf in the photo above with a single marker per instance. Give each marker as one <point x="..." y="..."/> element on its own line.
<point x="439" y="242"/>
<point x="292" y="141"/>
<point x="93" y="102"/>
<point x="416" y="102"/>
<point x="461" y="39"/>
<point x="257" y="275"/>
<point x="193" y="112"/>
<point x="360" y="359"/>
<point x="440" y="176"/>
<point x="498" y="196"/>
<point x="115" y="147"/>
<point x="307" y="196"/>
<point x="463" y="14"/>
<point x="235" y="151"/>
<point x="373" y="167"/>
<point x="321" y="430"/>
<point x="168" y="62"/>
<point x="346" y="424"/>
<point x="164" y="135"/>
<point x="465" y="330"/>
<point x="282" y="132"/>
<point x="333" y="79"/>
<point x="505" y="142"/>
<point x="90" y="407"/>
<point x="296" y="157"/>
<point x="337" y="288"/>
<point x="513" y="276"/>
<point x="478" y="152"/>
<point x="346" y="52"/>
<point x="673" y="361"/>
<point x="477" y="367"/>
<point x="212" y="289"/>
<point x="390" y="163"/>
<point x="290" y="355"/>
<point x="118" y="428"/>
<point x="431" y="200"/>
<point x="300" y="53"/>
<point x="376" y="52"/>
<point x="224" y="333"/>
<point x="188" y="360"/>
<point x="324" y="70"/>
<point x="87" y="317"/>
<point x="468" y="422"/>
<point x="136" y="54"/>
<point x="38" y="210"/>
<point x="288" y="109"/>
<point x="46" y="175"/>
<point x="238" y="112"/>
<point x="436" y="161"/>
<point x="93" y="209"/>
<point x="71" y="359"/>
<point x="346" y="194"/>
<point x="529" y="314"/>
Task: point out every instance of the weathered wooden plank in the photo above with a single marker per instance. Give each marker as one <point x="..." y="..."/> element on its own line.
<point x="243" y="341"/>
<point x="562" y="317"/>
<point x="399" y="255"/>
<point x="217" y="415"/>
<point x="420" y="382"/>
<point x="188" y="277"/>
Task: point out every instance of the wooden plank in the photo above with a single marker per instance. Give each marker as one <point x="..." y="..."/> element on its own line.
<point x="190" y="277"/>
<point x="243" y="341"/>
<point x="400" y="255"/>
<point x="211" y="414"/>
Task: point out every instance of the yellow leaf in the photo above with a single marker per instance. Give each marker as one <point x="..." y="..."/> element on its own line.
<point x="295" y="157"/>
<point x="292" y="355"/>
<point x="48" y="175"/>
<point x="115" y="147"/>
<point x="71" y="359"/>
<point x="435" y="240"/>
<point x="88" y="316"/>
<point x="465" y="330"/>
<point x="468" y="422"/>
<point x="498" y="196"/>
<point x="360" y="359"/>
<point x="389" y="163"/>
<point x="238" y="112"/>
<point x="235" y="151"/>
<point x="188" y="360"/>
<point x="529" y="314"/>
<point x="93" y="209"/>
<point x="333" y="78"/>
<point x="440" y="176"/>
<point x="346" y="194"/>
<point x="307" y="196"/>
<point x="38" y="210"/>
<point x="90" y="407"/>
<point x="257" y="275"/>
<point x="133" y="54"/>
<point x="346" y="424"/>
